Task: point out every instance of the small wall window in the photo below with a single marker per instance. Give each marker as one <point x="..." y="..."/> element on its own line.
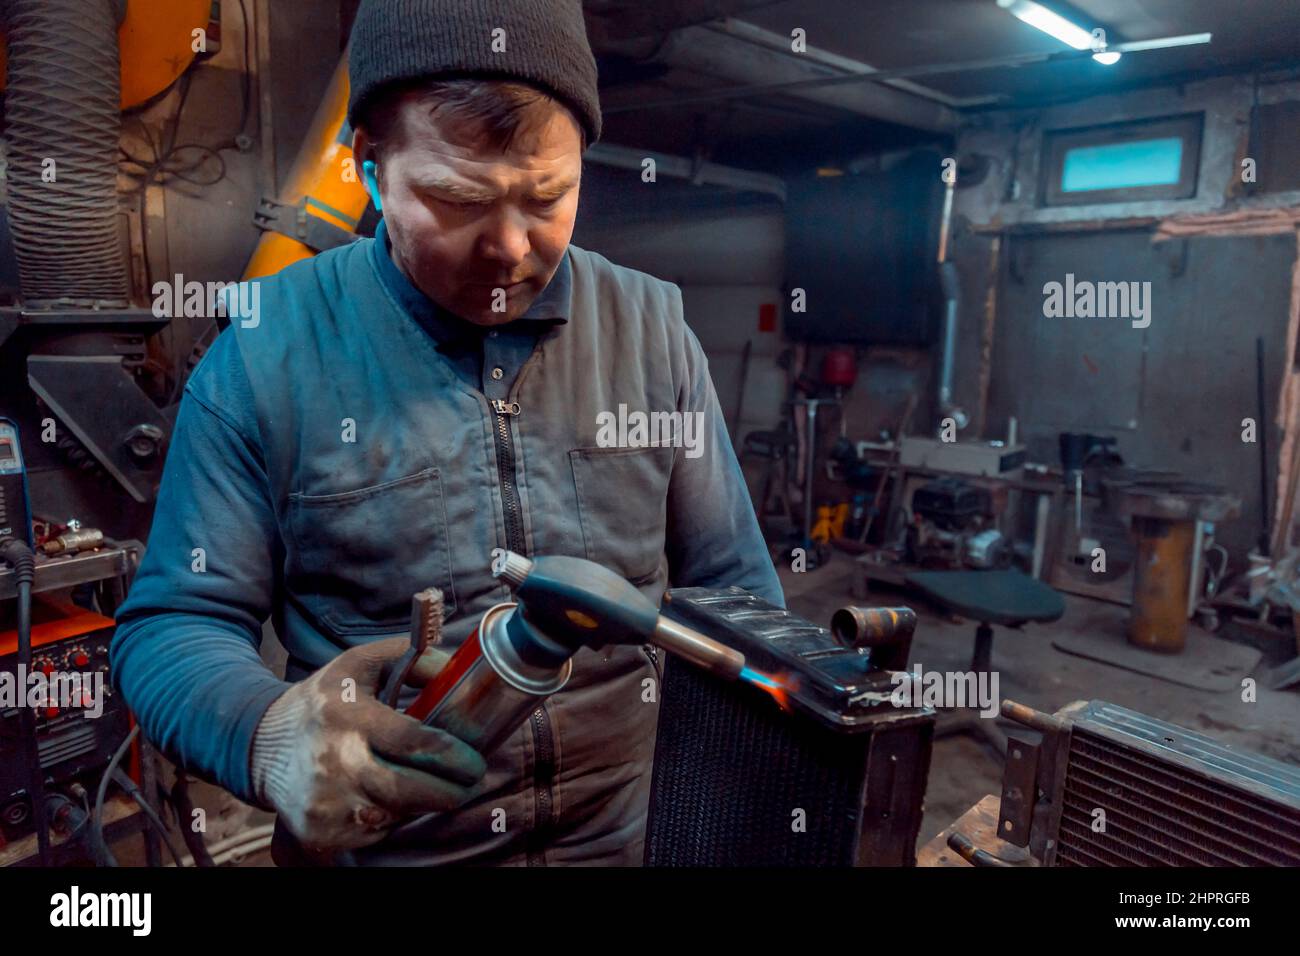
<point x="1122" y="162"/>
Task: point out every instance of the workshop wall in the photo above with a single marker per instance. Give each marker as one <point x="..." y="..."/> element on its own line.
<point x="729" y="265"/>
<point x="1010" y="361"/>
<point x="1174" y="393"/>
<point x="205" y="232"/>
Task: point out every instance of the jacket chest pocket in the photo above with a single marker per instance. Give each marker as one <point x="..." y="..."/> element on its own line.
<point x="355" y="558"/>
<point x="623" y="507"/>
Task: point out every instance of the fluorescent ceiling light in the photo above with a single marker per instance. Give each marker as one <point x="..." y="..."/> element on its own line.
<point x="1055" y="25"/>
<point x="1164" y="43"/>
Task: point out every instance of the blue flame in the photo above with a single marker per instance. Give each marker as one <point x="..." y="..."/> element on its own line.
<point x="755" y="677"/>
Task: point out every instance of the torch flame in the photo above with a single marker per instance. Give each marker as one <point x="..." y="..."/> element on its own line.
<point x="777" y="686"/>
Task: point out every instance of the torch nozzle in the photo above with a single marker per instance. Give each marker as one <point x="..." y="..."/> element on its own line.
<point x="699" y="650"/>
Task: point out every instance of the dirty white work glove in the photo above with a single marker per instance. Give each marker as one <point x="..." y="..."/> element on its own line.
<point x="342" y="768"/>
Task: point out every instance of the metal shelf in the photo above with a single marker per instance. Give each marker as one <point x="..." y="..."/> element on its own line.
<point x="65" y="571"/>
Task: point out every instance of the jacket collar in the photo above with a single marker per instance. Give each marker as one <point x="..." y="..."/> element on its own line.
<point x="550" y="308"/>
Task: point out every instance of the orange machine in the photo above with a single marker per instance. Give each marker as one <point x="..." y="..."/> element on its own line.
<point x="66" y="640"/>
<point x="324" y="195"/>
<point x="157" y="43"/>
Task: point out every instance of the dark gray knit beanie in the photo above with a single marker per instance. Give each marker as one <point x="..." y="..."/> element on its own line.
<point x="545" y="45"/>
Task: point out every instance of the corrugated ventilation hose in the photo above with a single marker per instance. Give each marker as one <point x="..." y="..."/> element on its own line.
<point x="63" y="104"/>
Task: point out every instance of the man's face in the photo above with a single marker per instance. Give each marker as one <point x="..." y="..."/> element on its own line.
<point x="466" y="220"/>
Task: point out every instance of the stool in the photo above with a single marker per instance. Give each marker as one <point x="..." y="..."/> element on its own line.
<point x="1005" y="597"/>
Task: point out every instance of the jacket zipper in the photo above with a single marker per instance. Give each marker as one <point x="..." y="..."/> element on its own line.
<point x="543" y="739"/>
<point x="506" y="473"/>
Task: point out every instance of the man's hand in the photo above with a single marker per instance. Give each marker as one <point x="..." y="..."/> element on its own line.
<point x="341" y="768"/>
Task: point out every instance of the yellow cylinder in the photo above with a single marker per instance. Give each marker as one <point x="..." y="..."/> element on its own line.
<point x="324" y="176"/>
<point x="1160" y="581"/>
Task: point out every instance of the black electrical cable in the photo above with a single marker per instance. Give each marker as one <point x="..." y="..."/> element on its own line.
<point x="164" y="164"/>
<point x="180" y="797"/>
<point x="84" y="823"/>
<point x="20" y="557"/>
<point x="126" y="783"/>
<point x="164" y="152"/>
<point x="99" y="847"/>
<point x="162" y="169"/>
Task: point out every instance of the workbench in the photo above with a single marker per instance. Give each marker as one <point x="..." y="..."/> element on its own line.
<point x="980" y="825"/>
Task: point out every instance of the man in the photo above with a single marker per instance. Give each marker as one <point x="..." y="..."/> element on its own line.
<point x="403" y="407"/>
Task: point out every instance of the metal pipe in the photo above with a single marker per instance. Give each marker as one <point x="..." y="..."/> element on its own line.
<point x="743" y="30"/>
<point x="1033" y="719"/>
<point x="715" y="53"/>
<point x="964" y="847"/>
<point x="1078" y="502"/>
<point x="945" y="218"/>
<point x="950" y="283"/>
<point x="241" y="843"/>
<point x="951" y="286"/>
<point x="1196" y="585"/>
<point x="1041" y="516"/>
<point x="810" y="441"/>
<point x="625" y="157"/>
<point x="884" y="76"/>
<point x="872" y="626"/>
<point x="699" y="650"/>
<point x="1262" y="404"/>
<point x="887" y="631"/>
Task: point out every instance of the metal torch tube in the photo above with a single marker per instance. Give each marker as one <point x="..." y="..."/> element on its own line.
<point x="698" y="649"/>
<point x="485" y="692"/>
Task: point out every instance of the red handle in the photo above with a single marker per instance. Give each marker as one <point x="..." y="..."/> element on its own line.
<point x="435" y="690"/>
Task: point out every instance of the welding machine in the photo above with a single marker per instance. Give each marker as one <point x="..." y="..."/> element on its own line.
<point x="46" y="742"/>
<point x="820" y="768"/>
<point x="75" y="742"/>
<point x="15" y="509"/>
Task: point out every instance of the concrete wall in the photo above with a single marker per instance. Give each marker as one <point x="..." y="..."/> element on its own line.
<point x="728" y="266"/>
<point x="1174" y="393"/>
<point x="206" y="233"/>
<point x="1010" y="194"/>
